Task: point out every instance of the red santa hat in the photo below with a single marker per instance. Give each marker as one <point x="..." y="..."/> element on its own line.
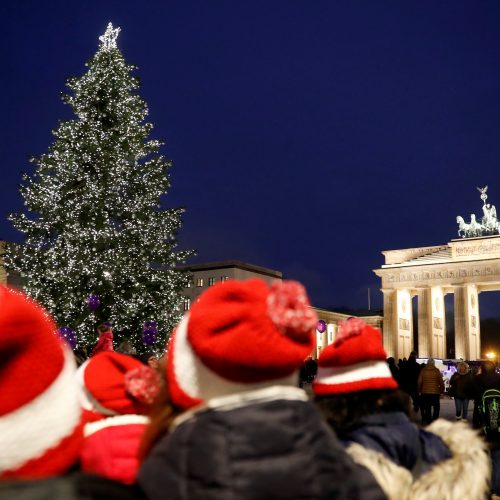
<point x="356" y="361"/>
<point x="117" y="384"/>
<point x="240" y="336"/>
<point x="40" y="426"/>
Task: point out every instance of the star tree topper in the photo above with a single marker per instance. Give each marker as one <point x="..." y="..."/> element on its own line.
<point x="108" y="40"/>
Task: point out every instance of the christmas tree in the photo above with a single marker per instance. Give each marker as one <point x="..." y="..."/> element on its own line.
<point x="98" y="246"/>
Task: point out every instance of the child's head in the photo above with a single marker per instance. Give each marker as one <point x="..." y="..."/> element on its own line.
<point x="40" y="426"/>
<point x="239" y="336"/>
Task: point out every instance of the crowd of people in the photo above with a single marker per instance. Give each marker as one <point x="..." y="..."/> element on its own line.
<point x="221" y="415"/>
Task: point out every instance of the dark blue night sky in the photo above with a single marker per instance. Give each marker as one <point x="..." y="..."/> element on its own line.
<point x="306" y="136"/>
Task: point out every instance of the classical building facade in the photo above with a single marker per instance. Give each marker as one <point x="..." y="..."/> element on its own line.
<point x="464" y="267"/>
<point x="209" y="273"/>
<point x="332" y="320"/>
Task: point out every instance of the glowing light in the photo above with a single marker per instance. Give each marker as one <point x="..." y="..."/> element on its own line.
<point x="108" y="40"/>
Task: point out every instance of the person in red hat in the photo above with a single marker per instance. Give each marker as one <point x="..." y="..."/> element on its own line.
<point x="117" y="393"/>
<point x="359" y="398"/>
<point x="40" y="426"/>
<point x="105" y="340"/>
<point x="41" y="429"/>
<point x="247" y="430"/>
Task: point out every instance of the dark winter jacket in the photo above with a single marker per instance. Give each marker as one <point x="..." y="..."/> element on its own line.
<point x="399" y="439"/>
<point x="408" y="375"/>
<point x="461" y="386"/>
<point x="76" y="486"/>
<point x="271" y="445"/>
<point x="430" y="381"/>
<point x="484" y="381"/>
<point x="412" y="463"/>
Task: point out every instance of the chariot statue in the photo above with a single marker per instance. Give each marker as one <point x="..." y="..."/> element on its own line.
<point x="487" y="226"/>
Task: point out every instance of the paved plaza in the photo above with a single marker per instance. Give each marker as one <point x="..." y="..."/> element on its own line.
<point x="448" y="409"/>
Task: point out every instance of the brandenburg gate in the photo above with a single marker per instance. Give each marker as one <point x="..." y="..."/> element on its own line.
<point x="464" y="267"/>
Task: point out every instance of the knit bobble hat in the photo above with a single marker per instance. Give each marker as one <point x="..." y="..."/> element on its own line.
<point x="118" y="384"/>
<point x="240" y="335"/>
<point x="356" y="361"/>
<point x="40" y="427"/>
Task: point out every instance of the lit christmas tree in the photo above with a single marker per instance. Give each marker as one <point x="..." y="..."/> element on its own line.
<point x="98" y="247"/>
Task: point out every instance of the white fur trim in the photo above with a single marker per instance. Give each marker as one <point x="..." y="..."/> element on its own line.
<point x="43" y="423"/>
<point x="87" y="401"/>
<point x="93" y="427"/>
<point x="198" y="381"/>
<point x="465" y="475"/>
<point x="394" y="480"/>
<point x="353" y="373"/>
<point x="239" y="400"/>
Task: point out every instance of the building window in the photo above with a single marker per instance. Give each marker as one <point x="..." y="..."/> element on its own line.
<point x="186" y="304"/>
<point x="199" y="282"/>
<point x="224" y="278"/>
<point x="211" y="281"/>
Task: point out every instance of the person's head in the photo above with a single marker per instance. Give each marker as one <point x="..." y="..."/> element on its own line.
<point x="117" y="384"/>
<point x="345" y="411"/>
<point x="353" y="377"/>
<point x="462" y="368"/>
<point x="151" y="359"/>
<point x="126" y="347"/>
<point x="488" y="367"/>
<point x="391" y="361"/>
<point x="431" y="362"/>
<point x="240" y="336"/>
<point x="41" y="428"/>
<point x="105" y="327"/>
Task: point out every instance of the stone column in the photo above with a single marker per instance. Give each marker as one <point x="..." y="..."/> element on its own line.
<point x="404" y="325"/>
<point x="460" y="304"/>
<point x="389" y="333"/>
<point x="474" y="344"/>
<point x="424" y="325"/>
<point x="331" y="328"/>
<point x="467" y="330"/>
<point x="438" y="323"/>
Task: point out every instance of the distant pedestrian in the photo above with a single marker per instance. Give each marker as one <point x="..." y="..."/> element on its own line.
<point x="409" y="373"/>
<point x="150" y="358"/>
<point x="462" y="390"/>
<point x="430" y="388"/>
<point x="394" y="370"/>
<point x="105" y="340"/>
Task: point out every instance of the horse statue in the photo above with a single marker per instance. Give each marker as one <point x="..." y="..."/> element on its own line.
<point x="471" y="230"/>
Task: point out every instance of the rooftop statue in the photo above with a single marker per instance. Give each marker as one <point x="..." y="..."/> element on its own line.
<point x="489" y="224"/>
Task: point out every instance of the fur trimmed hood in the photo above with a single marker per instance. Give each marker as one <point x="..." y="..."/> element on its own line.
<point x="466" y="474"/>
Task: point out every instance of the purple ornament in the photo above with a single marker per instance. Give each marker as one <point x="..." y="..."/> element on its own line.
<point x="69" y="335"/>
<point x="149" y="332"/>
<point x="93" y="302"/>
<point x="321" y="326"/>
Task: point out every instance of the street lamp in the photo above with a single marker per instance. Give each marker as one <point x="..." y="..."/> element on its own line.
<point x="492" y="356"/>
